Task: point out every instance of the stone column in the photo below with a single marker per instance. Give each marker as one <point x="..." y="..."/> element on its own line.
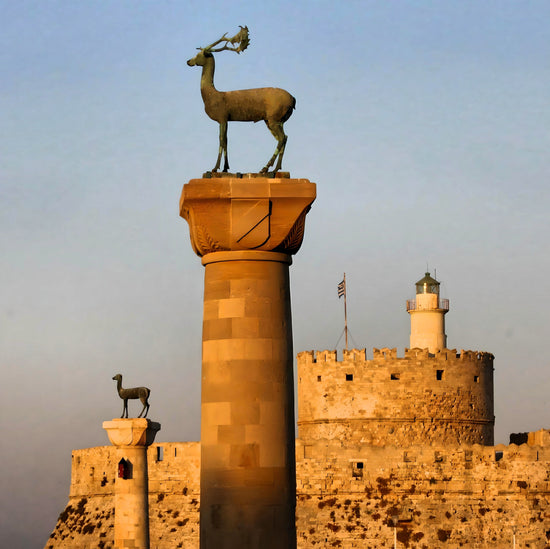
<point x="131" y="438"/>
<point x="246" y="230"/>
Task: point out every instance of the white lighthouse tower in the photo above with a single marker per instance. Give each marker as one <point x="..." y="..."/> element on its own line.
<point x="428" y="316"/>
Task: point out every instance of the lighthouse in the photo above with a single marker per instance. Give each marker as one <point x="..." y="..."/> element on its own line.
<point x="428" y="316"/>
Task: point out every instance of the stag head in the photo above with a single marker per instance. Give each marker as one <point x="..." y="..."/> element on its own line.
<point x="240" y="39"/>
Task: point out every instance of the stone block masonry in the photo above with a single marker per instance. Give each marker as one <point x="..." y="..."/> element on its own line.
<point x="246" y="233"/>
<point x="88" y="520"/>
<point x="470" y="496"/>
<point x="441" y="398"/>
<point x="467" y="496"/>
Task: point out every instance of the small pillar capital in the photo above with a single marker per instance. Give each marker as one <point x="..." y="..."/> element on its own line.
<point x="131" y="431"/>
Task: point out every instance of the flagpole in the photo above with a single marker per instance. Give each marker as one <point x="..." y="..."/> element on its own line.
<point x="346" y="311"/>
<point x="342" y="291"/>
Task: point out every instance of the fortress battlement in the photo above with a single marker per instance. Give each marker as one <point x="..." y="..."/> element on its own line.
<point x="440" y="398"/>
<point x="360" y="355"/>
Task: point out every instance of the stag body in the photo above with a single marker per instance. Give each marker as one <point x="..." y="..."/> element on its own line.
<point x="273" y="105"/>
<point x="134" y="393"/>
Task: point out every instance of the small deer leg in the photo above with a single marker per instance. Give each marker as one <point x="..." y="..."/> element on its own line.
<point x="125" y="408"/>
<point x="146" y="408"/>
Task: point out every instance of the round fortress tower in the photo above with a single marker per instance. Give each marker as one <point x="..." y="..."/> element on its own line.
<point x="432" y="395"/>
<point x="428" y="316"/>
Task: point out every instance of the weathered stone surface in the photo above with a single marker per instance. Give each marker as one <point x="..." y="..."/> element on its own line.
<point x="237" y="214"/>
<point x="245" y="232"/>
<point x="131" y="437"/>
<point x="442" y="398"/>
<point x="450" y="497"/>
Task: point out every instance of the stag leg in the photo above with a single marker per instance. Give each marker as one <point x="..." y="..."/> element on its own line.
<point x="276" y="129"/>
<point x="281" y="153"/>
<point x="224" y="145"/>
<point x="222" y="149"/>
<point x="125" y="408"/>
<point x="145" y="407"/>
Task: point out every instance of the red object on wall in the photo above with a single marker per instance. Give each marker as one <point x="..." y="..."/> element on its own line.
<point x="122" y="469"/>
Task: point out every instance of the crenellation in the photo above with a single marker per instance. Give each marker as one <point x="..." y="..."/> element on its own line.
<point x="384" y="353"/>
<point x="325" y="356"/>
<point x="354" y="354"/>
<point x="307" y="357"/>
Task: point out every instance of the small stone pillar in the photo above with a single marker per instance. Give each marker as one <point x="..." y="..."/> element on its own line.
<point x="245" y="230"/>
<point x="131" y="438"/>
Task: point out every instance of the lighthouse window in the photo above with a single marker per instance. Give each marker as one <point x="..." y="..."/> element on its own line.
<point x="318" y="378"/>
<point x="160" y="453"/>
<point x="476" y="379"/>
<point x="439" y="375"/>
<point x="349" y="377"/>
<point x="395" y="376"/>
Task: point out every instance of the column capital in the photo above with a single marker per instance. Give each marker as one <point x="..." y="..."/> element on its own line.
<point x="230" y="213"/>
<point x="131" y="431"/>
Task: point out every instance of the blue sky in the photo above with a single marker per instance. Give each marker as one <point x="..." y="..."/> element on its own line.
<point x="424" y="124"/>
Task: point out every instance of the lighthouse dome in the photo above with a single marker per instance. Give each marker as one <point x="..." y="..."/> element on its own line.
<point x="427" y="285"/>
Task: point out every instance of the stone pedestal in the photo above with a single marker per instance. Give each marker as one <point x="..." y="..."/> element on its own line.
<point x="131" y="438"/>
<point x="246" y="231"/>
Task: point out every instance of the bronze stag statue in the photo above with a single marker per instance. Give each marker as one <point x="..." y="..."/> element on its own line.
<point x="272" y="105"/>
<point x="134" y="393"/>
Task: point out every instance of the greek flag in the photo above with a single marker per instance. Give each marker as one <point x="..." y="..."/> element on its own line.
<point x="342" y="288"/>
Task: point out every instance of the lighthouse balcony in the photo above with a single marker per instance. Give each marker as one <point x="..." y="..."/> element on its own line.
<point x="442" y="305"/>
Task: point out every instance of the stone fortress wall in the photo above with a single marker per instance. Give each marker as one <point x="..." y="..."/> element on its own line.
<point x="347" y="496"/>
<point x="379" y="445"/>
<point x="174" y="487"/>
<point x="440" y="496"/>
<point x="440" y="398"/>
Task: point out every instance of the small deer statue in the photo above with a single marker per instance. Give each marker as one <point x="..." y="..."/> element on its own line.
<point x="134" y="393"/>
<point x="272" y="105"/>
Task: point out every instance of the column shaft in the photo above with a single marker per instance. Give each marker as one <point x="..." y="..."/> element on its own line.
<point x="131" y="437"/>
<point x="131" y="501"/>
<point x="247" y="427"/>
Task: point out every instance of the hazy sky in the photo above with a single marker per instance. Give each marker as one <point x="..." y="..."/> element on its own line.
<point x="425" y="125"/>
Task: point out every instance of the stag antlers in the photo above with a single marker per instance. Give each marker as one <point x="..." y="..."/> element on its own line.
<point x="240" y="38"/>
<point x="272" y="105"/>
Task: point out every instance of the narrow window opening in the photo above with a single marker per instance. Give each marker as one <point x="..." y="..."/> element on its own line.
<point x="476" y="379"/>
<point x="349" y="377"/>
<point x="160" y="453"/>
<point x="175" y="452"/>
<point x="125" y="469"/>
<point x="318" y="378"/>
<point x="357" y="469"/>
<point x="499" y="456"/>
<point x="439" y="375"/>
<point x="395" y="376"/>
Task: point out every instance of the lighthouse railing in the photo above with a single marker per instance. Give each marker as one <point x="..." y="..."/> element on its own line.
<point x="442" y="304"/>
